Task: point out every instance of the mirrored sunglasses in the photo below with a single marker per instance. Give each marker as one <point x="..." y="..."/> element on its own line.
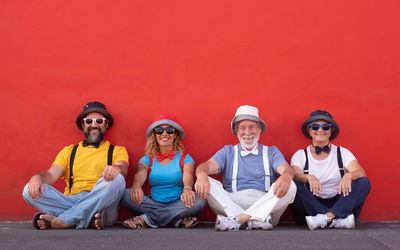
<point x="160" y="130"/>
<point x="316" y="126"/>
<point x="90" y="121"/>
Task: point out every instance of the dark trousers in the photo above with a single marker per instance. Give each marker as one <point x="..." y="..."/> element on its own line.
<point x="306" y="204"/>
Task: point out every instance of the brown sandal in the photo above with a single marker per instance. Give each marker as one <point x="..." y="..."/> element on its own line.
<point x="189" y="222"/>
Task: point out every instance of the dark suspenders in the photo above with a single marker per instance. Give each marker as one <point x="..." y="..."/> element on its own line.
<point x="339" y="159"/>
<point x="110" y="154"/>
<point x="72" y="158"/>
<point x="71" y="165"/>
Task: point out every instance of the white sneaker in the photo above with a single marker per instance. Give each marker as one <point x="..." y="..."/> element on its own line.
<point x="261" y="225"/>
<point x="346" y="223"/>
<point x="319" y="220"/>
<point x="230" y="223"/>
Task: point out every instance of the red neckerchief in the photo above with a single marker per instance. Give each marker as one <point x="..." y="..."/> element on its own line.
<point x="169" y="155"/>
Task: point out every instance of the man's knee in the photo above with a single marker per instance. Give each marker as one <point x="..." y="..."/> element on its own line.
<point x="116" y="186"/>
<point x="215" y="206"/>
<point x="293" y="187"/>
<point x="118" y="182"/>
<point x="120" y="179"/>
<point x="25" y="193"/>
<point x="291" y="193"/>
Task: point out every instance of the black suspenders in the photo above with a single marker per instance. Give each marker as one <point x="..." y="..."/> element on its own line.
<point x="340" y="162"/>
<point x="110" y="154"/>
<point x="72" y="158"/>
<point x="339" y="159"/>
<point x="71" y="165"/>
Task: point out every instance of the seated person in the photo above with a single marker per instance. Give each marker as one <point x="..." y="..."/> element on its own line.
<point x="257" y="180"/>
<point x="336" y="184"/>
<point x="94" y="173"/>
<point x="170" y="176"/>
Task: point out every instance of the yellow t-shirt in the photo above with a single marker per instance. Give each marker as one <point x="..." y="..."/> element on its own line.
<point x="89" y="163"/>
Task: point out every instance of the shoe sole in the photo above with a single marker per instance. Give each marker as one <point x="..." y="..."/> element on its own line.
<point x="309" y="224"/>
<point x="217" y="222"/>
<point x="353" y="223"/>
<point x="260" y="228"/>
<point x="270" y="226"/>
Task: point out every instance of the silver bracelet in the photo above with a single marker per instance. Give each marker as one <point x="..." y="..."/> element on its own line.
<point x="187" y="188"/>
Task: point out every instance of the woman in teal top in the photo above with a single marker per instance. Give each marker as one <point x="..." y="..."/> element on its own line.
<point x="170" y="200"/>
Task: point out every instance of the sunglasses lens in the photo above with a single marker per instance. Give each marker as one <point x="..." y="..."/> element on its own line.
<point x="99" y="121"/>
<point x="170" y="131"/>
<point x="88" y="121"/>
<point x="326" y="127"/>
<point x="314" y="126"/>
<point x="158" y="131"/>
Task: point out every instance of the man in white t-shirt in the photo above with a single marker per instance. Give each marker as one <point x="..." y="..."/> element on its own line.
<point x="331" y="184"/>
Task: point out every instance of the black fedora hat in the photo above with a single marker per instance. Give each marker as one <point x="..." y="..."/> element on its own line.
<point x="320" y="115"/>
<point x="94" y="107"/>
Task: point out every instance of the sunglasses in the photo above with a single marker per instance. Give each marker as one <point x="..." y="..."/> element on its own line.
<point x="160" y="130"/>
<point x="316" y="126"/>
<point x="90" y="121"/>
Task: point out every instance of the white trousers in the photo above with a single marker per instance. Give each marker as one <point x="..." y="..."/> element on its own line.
<point x="257" y="204"/>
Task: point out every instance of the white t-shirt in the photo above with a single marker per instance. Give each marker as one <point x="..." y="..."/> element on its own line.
<point x="326" y="171"/>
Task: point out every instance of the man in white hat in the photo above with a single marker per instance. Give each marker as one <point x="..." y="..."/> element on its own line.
<point x="257" y="180"/>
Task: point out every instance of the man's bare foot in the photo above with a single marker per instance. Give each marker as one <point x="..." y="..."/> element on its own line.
<point x="97" y="221"/>
<point x="47" y="221"/>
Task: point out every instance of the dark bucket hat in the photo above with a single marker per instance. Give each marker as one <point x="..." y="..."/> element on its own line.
<point x="94" y="107"/>
<point x="320" y="115"/>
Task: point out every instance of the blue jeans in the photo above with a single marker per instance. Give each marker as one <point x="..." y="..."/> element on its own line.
<point x="159" y="214"/>
<point x="306" y="204"/>
<point x="79" y="209"/>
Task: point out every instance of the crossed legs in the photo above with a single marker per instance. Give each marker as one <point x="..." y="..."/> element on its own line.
<point x="249" y="204"/>
<point x="158" y="214"/>
<point x="80" y="210"/>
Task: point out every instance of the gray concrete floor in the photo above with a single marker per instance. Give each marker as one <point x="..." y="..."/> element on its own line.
<point x="368" y="235"/>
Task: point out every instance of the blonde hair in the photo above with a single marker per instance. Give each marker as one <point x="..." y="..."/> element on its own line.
<point x="152" y="147"/>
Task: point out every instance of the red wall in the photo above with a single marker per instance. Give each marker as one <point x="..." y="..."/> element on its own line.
<point x="199" y="60"/>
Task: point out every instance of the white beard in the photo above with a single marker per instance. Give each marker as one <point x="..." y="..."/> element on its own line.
<point x="247" y="145"/>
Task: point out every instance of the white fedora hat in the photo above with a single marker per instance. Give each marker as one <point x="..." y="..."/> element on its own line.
<point x="247" y="112"/>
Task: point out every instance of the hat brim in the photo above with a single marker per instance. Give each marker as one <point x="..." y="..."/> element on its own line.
<point x="167" y="122"/>
<point x="94" y="109"/>
<point x="334" y="133"/>
<point x="240" y="118"/>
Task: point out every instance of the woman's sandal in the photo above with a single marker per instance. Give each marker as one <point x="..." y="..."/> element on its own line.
<point x="189" y="222"/>
<point x="136" y="222"/>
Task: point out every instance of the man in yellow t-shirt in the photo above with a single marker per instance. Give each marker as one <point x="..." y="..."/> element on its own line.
<point x="94" y="172"/>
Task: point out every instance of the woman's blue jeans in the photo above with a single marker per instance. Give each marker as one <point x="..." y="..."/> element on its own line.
<point x="159" y="214"/>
